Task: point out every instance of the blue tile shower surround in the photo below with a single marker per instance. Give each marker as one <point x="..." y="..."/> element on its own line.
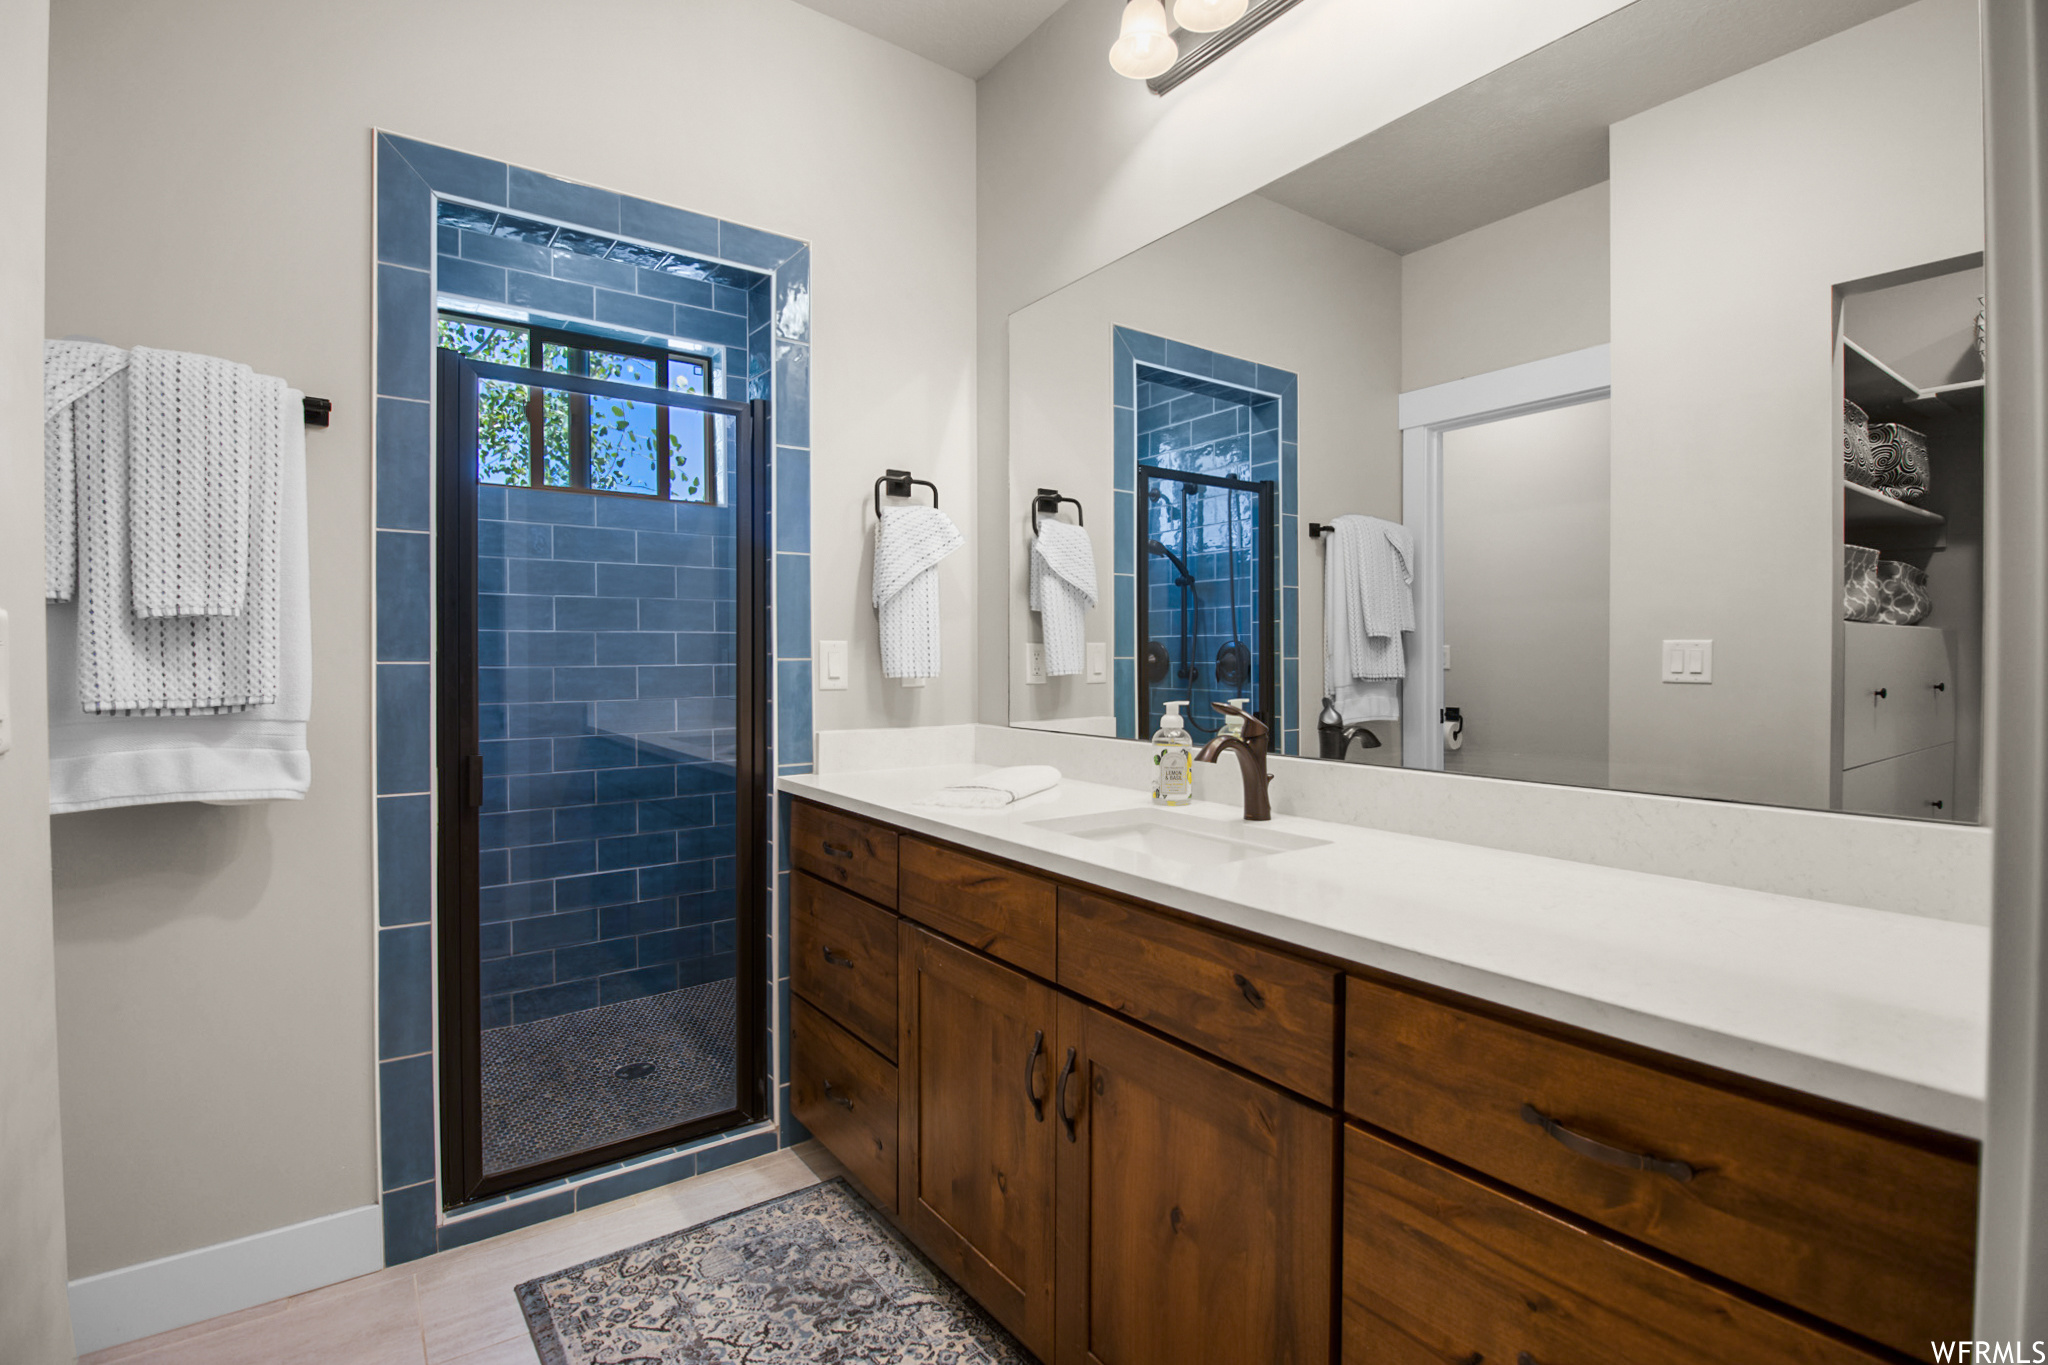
<point x="596" y="260"/>
<point x="1181" y="406"/>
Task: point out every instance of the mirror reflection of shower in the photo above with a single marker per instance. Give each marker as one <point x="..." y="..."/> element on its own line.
<point x="1206" y="585"/>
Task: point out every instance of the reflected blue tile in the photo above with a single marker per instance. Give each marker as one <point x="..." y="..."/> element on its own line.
<point x="551" y="505"/>
<point x="405" y="212"/>
<point x="1290" y="481"/>
<point x="676" y="229"/>
<point x="648" y="1176"/>
<point x="404" y="464"/>
<point x="404" y="713"/>
<point x="1290" y="551"/>
<point x="469" y="279"/>
<point x="678" y="289"/>
<point x="1290" y="633"/>
<point x="509" y="1217"/>
<point x="1231" y="370"/>
<point x="1124" y="385"/>
<point x="409" y="1232"/>
<point x="1143" y="345"/>
<point x="753" y="247"/>
<point x="1289" y="416"/>
<point x="404" y="991"/>
<point x="405" y="828"/>
<point x="1191" y="359"/>
<point x="509" y="252"/>
<point x="1126" y="533"/>
<point x="728" y="298"/>
<point x="793" y="712"/>
<point x="1274" y="381"/>
<point x="523" y="290"/>
<point x="1126" y="672"/>
<point x="607" y="544"/>
<point x="793" y="394"/>
<point x="706" y="325"/>
<point x="792" y="499"/>
<point x="1126" y="626"/>
<point x="637" y="580"/>
<point x="793" y="297"/>
<point x="564" y="200"/>
<point x="1266" y="416"/>
<point x="1126" y="451"/>
<point x="490" y="502"/>
<point x="405" y="330"/>
<point x="606" y="274"/>
<point x="405" y="585"/>
<point x="634" y="514"/>
<point x="447" y="240"/>
<point x="1291" y="673"/>
<point x="635" y="310"/>
<point x="405" y="1103"/>
<point x="736" y="1150"/>
<point x="452" y="172"/>
<point x="793" y="606"/>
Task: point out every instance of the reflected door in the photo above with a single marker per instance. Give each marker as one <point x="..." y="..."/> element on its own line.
<point x="601" y="744"/>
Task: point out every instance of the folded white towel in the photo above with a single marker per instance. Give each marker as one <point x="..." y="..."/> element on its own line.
<point x="909" y="543"/>
<point x="993" y="790"/>
<point x="131" y="664"/>
<point x="1062" y="593"/>
<point x="195" y="425"/>
<point x="71" y="370"/>
<point x="1368" y="601"/>
<point x="258" y="754"/>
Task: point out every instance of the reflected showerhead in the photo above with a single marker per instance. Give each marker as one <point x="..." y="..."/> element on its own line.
<point x="1155" y="547"/>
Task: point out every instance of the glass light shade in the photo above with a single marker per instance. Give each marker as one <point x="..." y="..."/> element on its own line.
<point x="1143" y="48"/>
<point x="1206" y="16"/>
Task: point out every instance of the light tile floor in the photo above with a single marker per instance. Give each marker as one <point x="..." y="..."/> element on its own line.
<point x="457" y="1308"/>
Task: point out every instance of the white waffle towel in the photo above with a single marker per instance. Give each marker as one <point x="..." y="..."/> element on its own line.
<point x="1062" y="593"/>
<point x="909" y="543"/>
<point x="194" y="423"/>
<point x="71" y="370"/>
<point x="1368" y="600"/>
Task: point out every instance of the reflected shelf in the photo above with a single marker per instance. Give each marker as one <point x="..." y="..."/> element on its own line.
<point x="1883" y="392"/>
<point x="1867" y="507"/>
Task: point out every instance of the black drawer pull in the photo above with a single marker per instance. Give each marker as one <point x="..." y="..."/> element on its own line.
<point x="1067" y="1074"/>
<point x="1881" y="693"/>
<point x="833" y="850"/>
<point x="1936" y="804"/>
<point x="1601" y="1152"/>
<point x="833" y="959"/>
<point x="1941" y="687"/>
<point x="843" y="1101"/>
<point x="1254" y="997"/>
<point x="1031" y="1075"/>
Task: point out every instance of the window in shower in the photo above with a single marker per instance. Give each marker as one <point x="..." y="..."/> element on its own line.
<point x="602" y="531"/>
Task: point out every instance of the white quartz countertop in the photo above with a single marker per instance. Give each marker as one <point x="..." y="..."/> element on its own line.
<point x="1875" y="1009"/>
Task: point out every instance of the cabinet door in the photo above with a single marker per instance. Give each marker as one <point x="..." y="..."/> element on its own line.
<point x="1195" y="1207"/>
<point x="977" y="1050"/>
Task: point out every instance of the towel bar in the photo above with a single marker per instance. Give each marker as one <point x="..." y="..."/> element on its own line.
<point x="1319" y="528"/>
<point x="318" y="410"/>
<point x="898" y="482"/>
<point x="1048" y="501"/>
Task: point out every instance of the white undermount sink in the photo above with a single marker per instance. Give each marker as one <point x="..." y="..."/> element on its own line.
<point x="1188" y="840"/>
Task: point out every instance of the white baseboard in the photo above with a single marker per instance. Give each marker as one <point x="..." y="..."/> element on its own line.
<point x="141" y="1300"/>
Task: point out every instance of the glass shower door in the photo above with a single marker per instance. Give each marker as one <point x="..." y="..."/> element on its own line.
<point x="602" y="758"/>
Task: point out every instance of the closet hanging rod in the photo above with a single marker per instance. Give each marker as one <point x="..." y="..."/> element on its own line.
<point x="897" y="482"/>
<point x="1048" y="501"/>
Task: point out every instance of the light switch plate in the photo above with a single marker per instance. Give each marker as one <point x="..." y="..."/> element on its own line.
<point x="1034" y="663"/>
<point x="831" y="665"/>
<point x="1098" y="661"/>
<point x="1688" y="661"/>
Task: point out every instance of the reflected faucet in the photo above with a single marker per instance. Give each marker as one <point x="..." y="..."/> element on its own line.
<point x="1251" y="759"/>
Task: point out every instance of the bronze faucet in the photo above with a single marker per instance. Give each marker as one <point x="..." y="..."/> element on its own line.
<point x="1251" y="760"/>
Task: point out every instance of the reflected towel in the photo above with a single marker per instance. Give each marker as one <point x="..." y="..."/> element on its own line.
<point x="1368" y="601"/>
<point x="993" y="790"/>
<point x="1062" y="593"/>
<point x="909" y="543"/>
<point x="71" y="370"/>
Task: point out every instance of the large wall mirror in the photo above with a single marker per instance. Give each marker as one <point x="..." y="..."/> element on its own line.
<point x="1613" y="421"/>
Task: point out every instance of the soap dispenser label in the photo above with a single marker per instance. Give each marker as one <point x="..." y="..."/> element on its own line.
<point x="1176" y="779"/>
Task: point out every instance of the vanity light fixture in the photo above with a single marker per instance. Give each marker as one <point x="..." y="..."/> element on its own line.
<point x="1207" y="16"/>
<point x="1143" y="48"/>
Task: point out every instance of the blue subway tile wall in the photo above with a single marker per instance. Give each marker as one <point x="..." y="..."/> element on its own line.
<point x="1183" y="407"/>
<point x="470" y="228"/>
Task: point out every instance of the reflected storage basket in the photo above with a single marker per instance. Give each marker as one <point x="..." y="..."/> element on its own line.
<point x="1861" y="600"/>
<point x="1902" y="596"/>
<point x="1898" y="461"/>
<point x="1856" y="467"/>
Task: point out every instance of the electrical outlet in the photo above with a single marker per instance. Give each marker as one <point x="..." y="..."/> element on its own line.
<point x="1034" y="663"/>
<point x="1688" y="661"/>
<point x="1098" y="662"/>
<point x="831" y="665"/>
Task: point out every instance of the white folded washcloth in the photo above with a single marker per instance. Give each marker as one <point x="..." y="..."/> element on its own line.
<point x="1062" y="591"/>
<point x="996" y="789"/>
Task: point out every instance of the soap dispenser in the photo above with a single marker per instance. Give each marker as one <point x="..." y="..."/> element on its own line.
<point x="1173" y="760"/>
<point x="1233" y="724"/>
<point x="1330" y="730"/>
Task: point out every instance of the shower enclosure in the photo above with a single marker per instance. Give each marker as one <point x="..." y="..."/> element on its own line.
<point x="602" y="750"/>
<point x="1206" y="594"/>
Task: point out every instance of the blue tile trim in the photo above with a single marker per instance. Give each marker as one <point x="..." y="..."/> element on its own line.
<point x="711" y="311"/>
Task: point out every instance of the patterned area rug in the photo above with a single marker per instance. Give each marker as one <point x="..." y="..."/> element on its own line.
<point x="815" y="1276"/>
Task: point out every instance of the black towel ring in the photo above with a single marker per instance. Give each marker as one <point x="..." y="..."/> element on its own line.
<point x="1048" y="501"/>
<point x="898" y="482"/>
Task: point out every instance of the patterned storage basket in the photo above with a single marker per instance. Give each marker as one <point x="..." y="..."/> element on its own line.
<point x="1898" y="460"/>
<point x="1856" y="467"/>
<point x="1860" y="598"/>
<point x="1902" y="596"/>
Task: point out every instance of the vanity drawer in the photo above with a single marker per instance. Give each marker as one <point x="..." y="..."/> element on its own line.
<point x="845" y="1094"/>
<point x="1869" y="1231"/>
<point x="1439" y="1268"/>
<point x="844" y="850"/>
<point x="1004" y="913"/>
<point x="843" y="960"/>
<point x="1272" y="1014"/>
<point x="1918" y="786"/>
<point x="1896" y="694"/>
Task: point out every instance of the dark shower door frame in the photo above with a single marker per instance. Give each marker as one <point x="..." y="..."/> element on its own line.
<point x="460" y="789"/>
<point x="1264" y="596"/>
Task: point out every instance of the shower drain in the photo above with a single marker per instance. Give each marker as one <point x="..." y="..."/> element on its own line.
<point x="633" y="1071"/>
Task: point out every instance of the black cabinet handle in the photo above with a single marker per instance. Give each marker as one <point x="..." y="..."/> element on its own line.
<point x="1601" y="1152"/>
<point x="1067" y="1074"/>
<point x="833" y="850"/>
<point x="1936" y="804"/>
<point x="1253" y="996"/>
<point x="835" y="960"/>
<point x="1881" y="693"/>
<point x="843" y="1101"/>
<point x="1941" y="687"/>
<point x="1031" y="1076"/>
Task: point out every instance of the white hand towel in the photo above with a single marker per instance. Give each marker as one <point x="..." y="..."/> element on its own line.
<point x="993" y="790"/>
<point x="71" y="370"/>
<point x="1368" y="601"/>
<point x="259" y="754"/>
<point x="909" y="543"/>
<point x="1062" y="593"/>
<point x="175" y="664"/>
<point x="195" y="423"/>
